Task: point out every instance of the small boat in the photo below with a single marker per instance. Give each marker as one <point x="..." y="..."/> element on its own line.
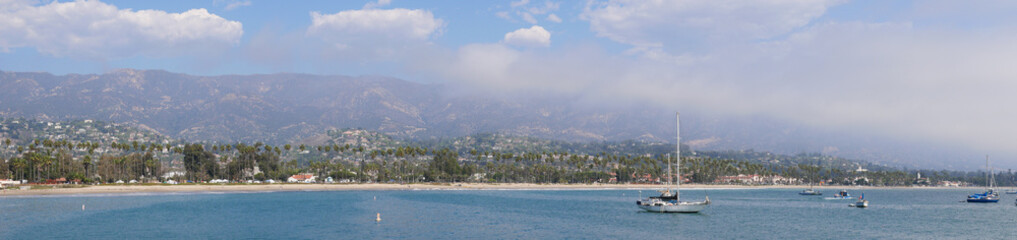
<point x="861" y="203"/>
<point x="990" y="195"/>
<point x="810" y="192"/>
<point x="669" y="202"/>
<point x="843" y="194"/>
<point x="1012" y="191"/>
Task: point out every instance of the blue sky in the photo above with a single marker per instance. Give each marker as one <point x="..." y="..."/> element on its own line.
<point x="466" y="22"/>
<point x="924" y="71"/>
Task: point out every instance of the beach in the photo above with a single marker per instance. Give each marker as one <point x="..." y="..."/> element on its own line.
<point x="166" y="188"/>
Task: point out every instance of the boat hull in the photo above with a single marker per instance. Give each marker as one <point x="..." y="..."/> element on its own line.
<point x="862" y="204"/>
<point x="683" y="207"/>
<point x="983" y="200"/>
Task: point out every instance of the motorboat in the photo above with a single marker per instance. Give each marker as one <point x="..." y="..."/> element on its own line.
<point x="810" y="192"/>
<point x="843" y="194"/>
<point x="861" y="203"/>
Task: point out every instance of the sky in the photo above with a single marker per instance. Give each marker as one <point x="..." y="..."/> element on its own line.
<point x="930" y="71"/>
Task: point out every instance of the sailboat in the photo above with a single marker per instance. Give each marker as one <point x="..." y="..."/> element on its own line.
<point x="670" y="202"/>
<point x="990" y="195"/>
<point x="810" y="191"/>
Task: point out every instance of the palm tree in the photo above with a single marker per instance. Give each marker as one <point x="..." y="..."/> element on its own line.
<point x="19" y="166"/>
<point x="86" y="162"/>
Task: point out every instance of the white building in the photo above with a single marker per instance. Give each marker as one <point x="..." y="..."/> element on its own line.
<point x="301" y="178"/>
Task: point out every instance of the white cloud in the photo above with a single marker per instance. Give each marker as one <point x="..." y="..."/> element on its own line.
<point x="543" y="9"/>
<point x="375" y="32"/>
<point x="553" y="18"/>
<point x="395" y="23"/>
<point x="535" y="36"/>
<point x="379" y="3"/>
<point x="236" y="4"/>
<point x="503" y="15"/>
<point x="528" y="18"/>
<point x="530" y="14"/>
<point x="231" y="4"/>
<point x="674" y="24"/>
<point x="92" y="29"/>
<point x="519" y="3"/>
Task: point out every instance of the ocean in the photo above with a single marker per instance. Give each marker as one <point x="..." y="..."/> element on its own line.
<point x="506" y="214"/>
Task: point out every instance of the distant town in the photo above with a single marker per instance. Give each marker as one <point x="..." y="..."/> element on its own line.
<point x="35" y="152"/>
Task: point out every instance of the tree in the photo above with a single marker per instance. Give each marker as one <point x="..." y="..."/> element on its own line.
<point x="445" y="165"/>
<point x="196" y="161"/>
<point x="86" y="162"/>
<point x="151" y="164"/>
<point x="4" y="169"/>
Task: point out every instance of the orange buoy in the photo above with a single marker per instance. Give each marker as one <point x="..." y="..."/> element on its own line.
<point x="379" y="218"/>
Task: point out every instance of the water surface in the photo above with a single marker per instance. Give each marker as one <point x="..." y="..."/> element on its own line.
<point x="486" y="214"/>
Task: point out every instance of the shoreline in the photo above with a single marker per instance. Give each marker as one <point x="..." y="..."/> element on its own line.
<point x="240" y="188"/>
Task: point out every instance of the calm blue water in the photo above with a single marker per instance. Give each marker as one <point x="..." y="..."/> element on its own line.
<point x="492" y="214"/>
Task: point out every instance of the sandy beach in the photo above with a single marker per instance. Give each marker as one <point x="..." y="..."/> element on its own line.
<point x="129" y="188"/>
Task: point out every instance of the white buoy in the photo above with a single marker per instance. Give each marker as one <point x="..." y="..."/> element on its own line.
<point x="379" y="218"/>
<point x="376" y="198"/>
<point x="82" y="207"/>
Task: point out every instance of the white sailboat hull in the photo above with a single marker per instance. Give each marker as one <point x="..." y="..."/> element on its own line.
<point x="681" y="207"/>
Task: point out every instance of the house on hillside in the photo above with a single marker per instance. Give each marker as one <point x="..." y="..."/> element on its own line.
<point x="301" y="178"/>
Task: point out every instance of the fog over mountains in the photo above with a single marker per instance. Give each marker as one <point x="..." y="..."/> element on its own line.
<point x="288" y="107"/>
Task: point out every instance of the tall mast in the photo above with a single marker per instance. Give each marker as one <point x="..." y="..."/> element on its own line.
<point x="668" y="172"/>
<point x="988" y="173"/>
<point x="678" y="155"/>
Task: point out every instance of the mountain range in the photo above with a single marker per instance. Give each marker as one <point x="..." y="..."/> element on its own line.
<point x="285" y="107"/>
<point x="289" y="107"/>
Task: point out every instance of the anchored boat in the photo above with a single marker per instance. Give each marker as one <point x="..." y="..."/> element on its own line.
<point x="670" y="202"/>
<point x="861" y="202"/>
<point x="990" y="195"/>
<point x="810" y="191"/>
<point x="843" y="194"/>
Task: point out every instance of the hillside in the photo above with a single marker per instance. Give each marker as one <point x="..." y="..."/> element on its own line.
<point x="288" y="108"/>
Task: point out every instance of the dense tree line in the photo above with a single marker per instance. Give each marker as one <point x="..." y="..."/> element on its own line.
<point x="43" y="159"/>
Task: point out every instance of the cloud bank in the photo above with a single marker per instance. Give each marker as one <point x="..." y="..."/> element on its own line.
<point x="929" y="83"/>
<point x="96" y="30"/>
<point x="373" y="33"/>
